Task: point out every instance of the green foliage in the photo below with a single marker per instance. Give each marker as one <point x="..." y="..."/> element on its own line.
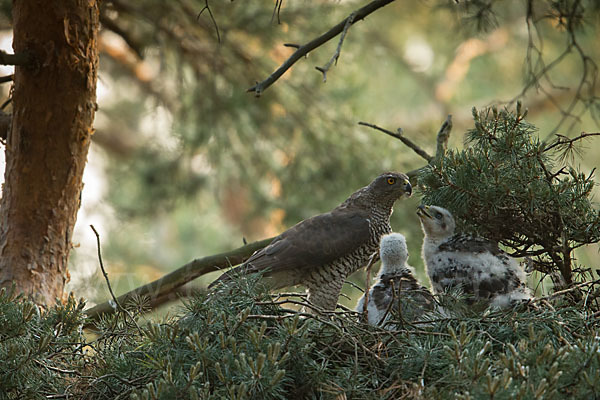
<point x="509" y="186"/>
<point x="40" y="352"/>
<point x="240" y="343"/>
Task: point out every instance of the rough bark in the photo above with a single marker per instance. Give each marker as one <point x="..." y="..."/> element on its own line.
<point x="54" y="102"/>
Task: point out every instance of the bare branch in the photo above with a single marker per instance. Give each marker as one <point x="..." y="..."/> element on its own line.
<point x="365" y="309"/>
<point x="117" y="304"/>
<point x="565" y="291"/>
<point x="177" y="294"/>
<point x="391" y="304"/>
<point x="313" y="44"/>
<point x="441" y="144"/>
<point x="23" y="59"/>
<point x="5" y="121"/>
<point x="7" y="101"/>
<point x="443" y="136"/>
<point x="212" y="18"/>
<point x="401" y="137"/>
<point x="277" y="10"/>
<point x="131" y="65"/>
<point x="538" y="70"/>
<point x="338" y="51"/>
<point x="182" y="275"/>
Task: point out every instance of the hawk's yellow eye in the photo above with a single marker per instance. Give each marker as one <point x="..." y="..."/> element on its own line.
<point x="391" y="181"/>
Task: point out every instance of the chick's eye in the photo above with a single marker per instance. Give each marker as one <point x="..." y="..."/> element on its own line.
<point x="391" y="181"/>
<point x="438" y="215"/>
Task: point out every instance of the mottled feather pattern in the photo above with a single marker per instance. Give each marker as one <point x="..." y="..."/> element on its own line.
<point x="396" y="289"/>
<point x="298" y="250"/>
<point x="475" y="265"/>
<point x="322" y="251"/>
<point x="411" y="299"/>
<point x="471" y="244"/>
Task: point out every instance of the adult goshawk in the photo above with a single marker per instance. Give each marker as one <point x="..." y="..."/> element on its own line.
<point x="320" y="252"/>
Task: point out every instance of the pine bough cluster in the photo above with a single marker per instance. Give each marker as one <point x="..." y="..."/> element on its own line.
<point x="243" y="345"/>
<point x="509" y="186"/>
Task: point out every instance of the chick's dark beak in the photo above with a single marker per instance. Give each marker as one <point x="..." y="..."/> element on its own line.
<point x="422" y="211"/>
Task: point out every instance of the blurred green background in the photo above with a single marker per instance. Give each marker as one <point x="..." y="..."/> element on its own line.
<point x="186" y="164"/>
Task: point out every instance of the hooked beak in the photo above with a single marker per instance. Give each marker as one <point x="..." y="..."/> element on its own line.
<point x="422" y="211"/>
<point x="408" y="189"/>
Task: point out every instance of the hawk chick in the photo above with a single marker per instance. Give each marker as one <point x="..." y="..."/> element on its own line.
<point x="395" y="283"/>
<point x="476" y="265"/>
<point x="320" y="252"/>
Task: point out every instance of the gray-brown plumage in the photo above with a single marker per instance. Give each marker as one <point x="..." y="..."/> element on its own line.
<point x="320" y="252"/>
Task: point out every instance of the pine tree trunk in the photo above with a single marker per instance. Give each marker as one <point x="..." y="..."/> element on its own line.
<point x="54" y="102"/>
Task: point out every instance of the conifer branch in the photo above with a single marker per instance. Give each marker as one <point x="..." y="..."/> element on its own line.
<point x="567" y="142"/>
<point x="538" y="69"/>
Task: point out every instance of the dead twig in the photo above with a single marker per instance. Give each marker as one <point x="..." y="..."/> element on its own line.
<point x="365" y="309"/>
<point x="389" y="307"/>
<point x="442" y="137"/>
<point x="212" y="18"/>
<point x="398" y="135"/>
<point x="277" y="10"/>
<point x="313" y="44"/>
<point x="338" y="50"/>
<point x="565" y="291"/>
<point x="441" y="144"/>
<point x="116" y="302"/>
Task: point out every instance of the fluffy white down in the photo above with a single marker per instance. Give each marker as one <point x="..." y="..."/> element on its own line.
<point x="395" y="271"/>
<point x="393" y="253"/>
<point x="509" y="299"/>
<point x="471" y="268"/>
<point x="483" y="265"/>
<point x="374" y="315"/>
